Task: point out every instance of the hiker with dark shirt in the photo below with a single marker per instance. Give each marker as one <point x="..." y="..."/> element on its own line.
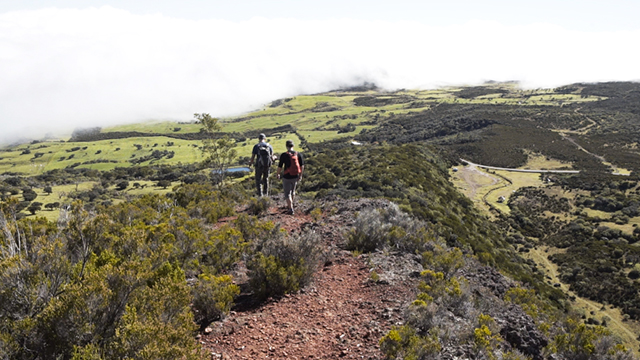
<point x="263" y="154"/>
<point x="292" y="163"/>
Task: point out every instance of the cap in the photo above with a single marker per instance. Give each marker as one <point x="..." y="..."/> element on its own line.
<point x="261" y="136"/>
<point x="289" y="143"/>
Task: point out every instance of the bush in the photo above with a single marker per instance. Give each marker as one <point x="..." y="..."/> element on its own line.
<point x="259" y="206"/>
<point x="579" y="341"/>
<point x="486" y="337"/>
<point x="253" y="230"/>
<point x="29" y="195"/>
<point x="213" y="297"/>
<point x="121" y="185"/>
<point x="444" y="260"/>
<point x="379" y="228"/>
<point x="164" y="184"/>
<point x="283" y="264"/>
<point x="34" y="207"/>
<point x="404" y="342"/>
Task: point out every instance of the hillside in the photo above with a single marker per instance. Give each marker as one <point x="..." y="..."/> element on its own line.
<point x="387" y="258"/>
<point x="468" y="120"/>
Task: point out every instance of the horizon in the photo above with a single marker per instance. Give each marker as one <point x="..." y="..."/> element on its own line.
<point x="69" y="65"/>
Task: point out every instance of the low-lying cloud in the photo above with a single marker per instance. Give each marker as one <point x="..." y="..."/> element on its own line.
<point x="60" y="69"/>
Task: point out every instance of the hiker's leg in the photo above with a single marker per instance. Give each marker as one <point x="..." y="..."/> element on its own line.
<point x="293" y="191"/>
<point x="258" y="181"/>
<point x="265" y="182"/>
<point x="288" y="185"/>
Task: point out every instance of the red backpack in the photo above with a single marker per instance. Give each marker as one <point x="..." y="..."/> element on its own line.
<point x="294" y="167"/>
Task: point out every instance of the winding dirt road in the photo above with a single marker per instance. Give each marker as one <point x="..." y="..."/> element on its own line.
<point x="522" y="170"/>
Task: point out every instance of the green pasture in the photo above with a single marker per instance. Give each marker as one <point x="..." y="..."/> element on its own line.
<point x="625" y="228"/>
<point x="319" y="136"/>
<point x="308" y="102"/>
<point x="306" y="121"/>
<point x="117" y="153"/>
<point x="277" y="141"/>
<point x="158" y="127"/>
<point x="537" y="161"/>
<point x="489" y="185"/>
<point x="61" y="194"/>
<point x="147" y="187"/>
<point x="597" y="213"/>
<point x="303" y="103"/>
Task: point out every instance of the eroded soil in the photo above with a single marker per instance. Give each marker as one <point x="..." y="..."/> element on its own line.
<point x="342" y="314"/>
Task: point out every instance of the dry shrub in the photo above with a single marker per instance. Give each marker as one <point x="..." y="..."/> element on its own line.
<point x="283" y="264"/>
<point x="380" y="228"/>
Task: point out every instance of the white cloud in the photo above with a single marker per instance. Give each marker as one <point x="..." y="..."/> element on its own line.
<point x="65" y="68"/>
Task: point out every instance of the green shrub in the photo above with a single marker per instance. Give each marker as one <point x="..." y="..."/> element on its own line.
<point x="316" y="214"/>
<point x="259" y="206"/>
<point x="213" y="297"/>
<point x="580" y="341"/>
<point x="452" y="293"/>
<point x="283" y="264"/>
<point x="221" y="248"/>
<point x="403" y="342"/>
<point x="444" y="260"/>
<point x="486" y="336"/>
<point x="108" y="286"/>
<point x="253" y="229"/>
<point x="529" y="302"/>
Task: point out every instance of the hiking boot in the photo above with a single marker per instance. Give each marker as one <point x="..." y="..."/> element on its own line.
<point x="290" y="212"/>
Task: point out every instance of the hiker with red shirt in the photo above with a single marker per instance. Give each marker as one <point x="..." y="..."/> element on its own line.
<point x="293" y="164"/>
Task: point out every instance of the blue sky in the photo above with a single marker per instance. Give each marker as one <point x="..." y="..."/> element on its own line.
<point x="74" y="63"/>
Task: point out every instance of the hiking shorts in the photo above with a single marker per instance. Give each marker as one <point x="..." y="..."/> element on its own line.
<point x="289" y="186"/>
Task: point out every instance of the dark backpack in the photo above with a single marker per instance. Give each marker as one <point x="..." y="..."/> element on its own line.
<point x="264" y="156"/>
<point x="294" y="167"/>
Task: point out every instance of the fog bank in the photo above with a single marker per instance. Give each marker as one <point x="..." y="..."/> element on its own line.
<point x="60" y="69"/>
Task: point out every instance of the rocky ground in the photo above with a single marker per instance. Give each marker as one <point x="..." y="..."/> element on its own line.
<point x="347" y="308"/>
<point x="342" y="314"/>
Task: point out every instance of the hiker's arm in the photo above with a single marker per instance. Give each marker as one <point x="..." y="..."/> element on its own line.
<point x="280" y="165"/>
<point x="301" y="157"/>
<point x="254" y="152"/>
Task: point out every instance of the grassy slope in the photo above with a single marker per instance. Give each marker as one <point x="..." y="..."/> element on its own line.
<point x="624" y="329"/>
<point x="316" y="117"/>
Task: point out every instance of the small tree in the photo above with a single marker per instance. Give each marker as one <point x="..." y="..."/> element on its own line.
<point x="164" y="183"/>
<point x="48" y="190"/>
<point x="50" y="206"/>
<point x="121" y="185"/>
<point x="29" y="195"/>
<point x="34" y="207"/>
<point x="218" y="149"/>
